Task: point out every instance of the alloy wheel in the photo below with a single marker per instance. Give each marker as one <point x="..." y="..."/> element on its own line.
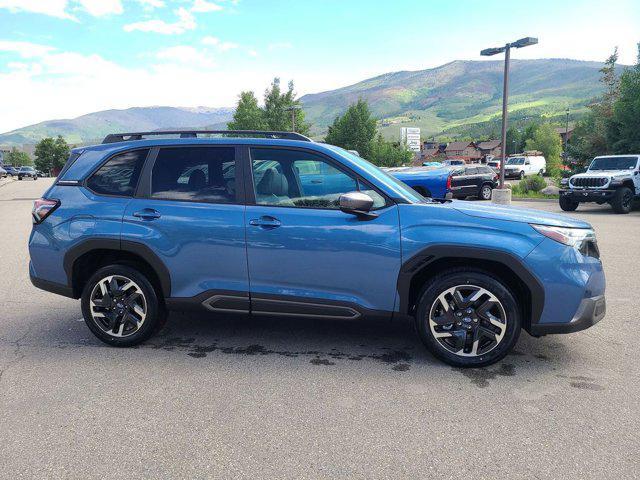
<point x="468" y="320"/>
<point x="118" y="306"/>
<point x="486" y="193"/>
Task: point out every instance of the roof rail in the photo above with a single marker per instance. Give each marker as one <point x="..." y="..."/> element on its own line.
<point x="125" y="137"/>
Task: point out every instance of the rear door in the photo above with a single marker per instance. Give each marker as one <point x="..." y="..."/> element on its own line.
<point x="189" y="211"/>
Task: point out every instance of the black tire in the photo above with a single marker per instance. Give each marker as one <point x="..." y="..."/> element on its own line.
<point x="155" y="309"/>
<point x="521" y="175"/>
<point x="464" y="277"/>
<point x="541" y="173"/>
<point x="567" y="204"/>
<point x="485" y="192"/>
<point x="622" y="200"/>
<point x="19" y="178"/>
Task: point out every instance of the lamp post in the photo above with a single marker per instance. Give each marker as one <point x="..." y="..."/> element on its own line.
<point x="566" y="138"/>
<point x="293" y="109"/>
<point x="523" y="42"/>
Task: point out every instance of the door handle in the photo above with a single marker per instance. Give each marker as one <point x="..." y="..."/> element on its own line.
<point x="265" y="221"/>
<point x="147" y="214"/>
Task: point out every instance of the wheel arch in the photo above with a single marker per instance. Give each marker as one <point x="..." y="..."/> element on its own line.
<point x="436" y="259"/>
<point x="81" y="261"/>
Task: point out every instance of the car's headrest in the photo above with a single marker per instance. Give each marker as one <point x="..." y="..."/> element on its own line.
<point x="197" y="180"/>
<point x="273" y="183"/>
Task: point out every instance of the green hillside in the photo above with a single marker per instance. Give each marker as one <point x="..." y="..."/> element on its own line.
<point x="94" y="126"/>
<point x="462" y="93"/>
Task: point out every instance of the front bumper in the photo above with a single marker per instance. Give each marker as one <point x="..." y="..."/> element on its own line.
<point x="590" y="311"/>
<point x="586" y="195"/>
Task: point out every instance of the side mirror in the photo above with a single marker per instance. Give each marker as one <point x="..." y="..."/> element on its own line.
<point x="357" y="203"/>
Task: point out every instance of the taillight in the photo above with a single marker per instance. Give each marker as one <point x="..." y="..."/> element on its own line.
<point x="449" y="182"/>
<point x="42" y="208"/>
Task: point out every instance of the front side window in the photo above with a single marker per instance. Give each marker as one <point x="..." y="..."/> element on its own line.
<point x="296" y="178"/>
<point x="197" y="174"/>
<point x="119" y="176"/>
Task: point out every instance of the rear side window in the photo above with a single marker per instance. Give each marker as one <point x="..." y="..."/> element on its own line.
<point x="119" y="176"/>
<point x="197" y="174"/>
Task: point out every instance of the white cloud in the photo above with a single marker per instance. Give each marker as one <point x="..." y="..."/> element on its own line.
<point x="186" y="55"/>
<point x="218" y="44"/>
<point x="205" y="6"/>
<point x="53" y="8"/>
<point x="99" y="8"/>
<point x="25" y="49"/>
<point x="186" y="21"/>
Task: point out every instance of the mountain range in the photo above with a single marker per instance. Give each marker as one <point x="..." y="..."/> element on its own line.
<point x="449" y="98"/>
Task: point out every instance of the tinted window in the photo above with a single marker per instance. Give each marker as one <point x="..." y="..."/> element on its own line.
<point x="119" y="176"/>
<point x="472" y="171"/>
<point x="485" y="170"/>
<point x="298" y="178"/>
<point x="200" y="174"/>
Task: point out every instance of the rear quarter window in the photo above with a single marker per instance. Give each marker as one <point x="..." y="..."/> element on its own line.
<point x="119" y="175"/>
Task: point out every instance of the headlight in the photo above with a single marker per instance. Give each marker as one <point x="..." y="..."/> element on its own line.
<point x="582" y="239"/>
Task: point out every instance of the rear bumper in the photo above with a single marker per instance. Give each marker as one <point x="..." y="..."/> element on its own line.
<point x="590" y="311"/>
<point x="53" y="287"/>
<point x="584" y="195"/>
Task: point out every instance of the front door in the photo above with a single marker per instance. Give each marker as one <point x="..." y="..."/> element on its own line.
<point x="190" y="213"/>
<point x="305" y="256"/>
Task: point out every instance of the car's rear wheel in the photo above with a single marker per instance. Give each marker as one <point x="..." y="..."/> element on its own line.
<point x="485" y="192"/>
<point x="567" y="204"/>
<point x="468" y="318"/>
<point x="121" y="307"/>
<point x="622" y="200"/>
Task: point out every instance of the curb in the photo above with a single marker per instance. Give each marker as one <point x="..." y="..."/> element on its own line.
<point x="516" y="199"/>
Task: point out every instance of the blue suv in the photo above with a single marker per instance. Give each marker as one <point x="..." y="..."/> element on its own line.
<point x="271" y="223"/>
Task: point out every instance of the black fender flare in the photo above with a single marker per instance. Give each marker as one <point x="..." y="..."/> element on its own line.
<point x="432" y="253"/>
<point x="135" y="248"/>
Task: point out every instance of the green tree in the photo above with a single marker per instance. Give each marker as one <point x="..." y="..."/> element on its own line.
<point x="248" y="114"/>
<point x="591" y="136"/>
<point x="355" y="130"/>
<point x="546" y="140"/>
<point x="17" y="158"/>
<point x="277" y="109"/>
<point x="388" y="154"/>
<point x="51" y="154"/>
<point x="623" y="132"/>
<point x="514" y="140"/>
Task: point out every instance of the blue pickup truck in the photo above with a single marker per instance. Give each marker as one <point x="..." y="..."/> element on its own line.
<point x="449" y="182"/>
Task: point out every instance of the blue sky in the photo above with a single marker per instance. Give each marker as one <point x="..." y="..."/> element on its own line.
<point x="64" y="58"/>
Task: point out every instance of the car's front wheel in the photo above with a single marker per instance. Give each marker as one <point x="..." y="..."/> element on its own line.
<point x="467" y="318"/>
<point x="121" y="307"/>
<point x="567" y="204"/>
<point x="485" y="192"/>
<point x="521" y="175"/>
<point x="622" y="200"/>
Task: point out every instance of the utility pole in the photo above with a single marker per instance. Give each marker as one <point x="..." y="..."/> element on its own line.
<point x="293" y="109"/>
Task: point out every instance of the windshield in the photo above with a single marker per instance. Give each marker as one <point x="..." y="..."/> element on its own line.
<point x="614" y="163"/>
<point x="516" y="161"/>
<point x="403" y="189"/>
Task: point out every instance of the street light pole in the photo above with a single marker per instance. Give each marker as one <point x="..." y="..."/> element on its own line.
<point x="505" y="112"/>
<point x="566" y="137"/>
<point x="523" y="42"/>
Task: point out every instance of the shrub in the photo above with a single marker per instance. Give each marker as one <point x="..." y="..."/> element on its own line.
<point x="531" y="184"/>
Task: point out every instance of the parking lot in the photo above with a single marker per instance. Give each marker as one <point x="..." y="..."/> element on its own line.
<point x="290" y="398"/>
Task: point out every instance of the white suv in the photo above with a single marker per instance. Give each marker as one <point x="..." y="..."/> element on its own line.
<point x="613" y="179"/>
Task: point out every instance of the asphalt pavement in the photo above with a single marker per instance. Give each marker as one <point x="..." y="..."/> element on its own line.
<point x="290" y="398"/>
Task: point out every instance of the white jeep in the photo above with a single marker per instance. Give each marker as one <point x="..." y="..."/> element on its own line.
<point x="613" y="179"/>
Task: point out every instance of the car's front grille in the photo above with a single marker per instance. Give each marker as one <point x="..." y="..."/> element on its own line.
<point x="589" y="182"/>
